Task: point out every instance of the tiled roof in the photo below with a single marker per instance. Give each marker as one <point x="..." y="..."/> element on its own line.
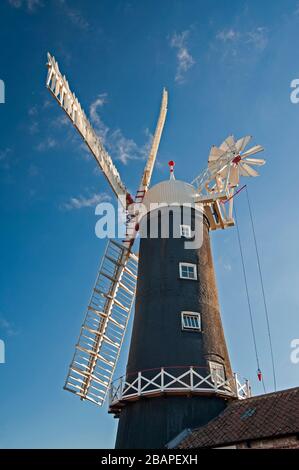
<point x="271" y="415"/>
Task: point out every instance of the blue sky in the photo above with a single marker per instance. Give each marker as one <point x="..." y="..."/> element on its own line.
<point x="227" y="66"/>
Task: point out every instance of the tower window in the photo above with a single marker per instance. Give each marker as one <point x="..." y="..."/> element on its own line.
<point x="191" y="321"/>
<point x="217" y="372"/>
<point x="185" y="231"/>
<point x="188" y="271"/>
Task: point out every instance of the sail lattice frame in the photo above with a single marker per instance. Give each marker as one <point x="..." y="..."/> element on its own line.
<point x="104" y="326"/>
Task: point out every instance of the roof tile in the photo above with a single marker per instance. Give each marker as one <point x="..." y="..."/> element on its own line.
<point x="263" y="416"/>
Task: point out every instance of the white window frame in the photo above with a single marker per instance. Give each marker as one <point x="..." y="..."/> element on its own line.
<point x="182" y="264"/>
<point x="186" y="327"/>
<point x="219" y="369"/>
<point x="185" y="231"/>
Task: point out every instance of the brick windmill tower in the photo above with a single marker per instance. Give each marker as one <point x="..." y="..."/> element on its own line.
<point x="178" y="373"/>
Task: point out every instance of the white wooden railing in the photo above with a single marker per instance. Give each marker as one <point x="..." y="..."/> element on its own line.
<point x="173" y="380"/>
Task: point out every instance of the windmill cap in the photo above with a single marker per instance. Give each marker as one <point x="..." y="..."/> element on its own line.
<point x="170" y="192"/>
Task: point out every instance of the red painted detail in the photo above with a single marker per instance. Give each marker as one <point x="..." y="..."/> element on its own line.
<point x="129" y="199"/>
<point x="259" y="375"/>
<point x="140" y="195"/>
<point x="171" y="164"/>
<point x="237" y="159"/>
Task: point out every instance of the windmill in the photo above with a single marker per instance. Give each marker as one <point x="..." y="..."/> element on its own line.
<point x="178" y="348"/>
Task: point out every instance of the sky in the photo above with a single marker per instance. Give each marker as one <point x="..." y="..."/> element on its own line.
<point x="227" y="66"/>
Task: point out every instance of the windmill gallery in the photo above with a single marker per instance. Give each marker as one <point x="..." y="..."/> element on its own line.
<point x="178" y="376"/>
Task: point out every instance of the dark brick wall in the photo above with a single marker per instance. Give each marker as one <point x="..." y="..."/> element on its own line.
<point x="158" y="340"/>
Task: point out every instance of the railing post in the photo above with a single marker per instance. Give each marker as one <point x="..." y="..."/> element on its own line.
<point x="236" y="384"/>
<point x="110" y="393"/>
<point x="162" y="379"/>
<point x="248" y="390"/>
<point x="215" y="381"/>
<point x="139" y="383"/>
<point x="191" y="378"/>
<point x="121" y="387"/>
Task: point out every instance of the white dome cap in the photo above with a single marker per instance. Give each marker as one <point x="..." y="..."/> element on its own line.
<point x="172" y="192"/>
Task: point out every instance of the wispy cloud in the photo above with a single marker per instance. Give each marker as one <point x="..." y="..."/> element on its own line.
<point x="33" y="170"/>
<point x="30" y="5"/>
<point x="46" y="144"/>
<point x="184" y="58"/>
<point x="60" y="121"/>
<point x="225" y="264"/>
<point x="80" y="202"/>
<point x="126" y="149"/>
<point x="235" y="42"/>
<point x="4" y="157"/>
<point x="116" y="143"/>
<point x="121" y="147"/>
<point x="74" y="15"/>
<point x="4" y="153"/>
<point x="37" y="118"/>
<point x="7" y="327"/>
<point x="32" y="111"/>
<point x="33" y="127"/>
<point x="258" y="37"/>
<point x="228" y="35"/>
<point x="95" y="117"/>
<point x="33" y="124"/>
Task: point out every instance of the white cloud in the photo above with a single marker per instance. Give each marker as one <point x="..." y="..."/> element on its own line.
<point x="4" y="153"/>
<point x="47" y="104"/>
<point x="34" y="127"/>
<point x="126" y="149"/>
<point x="228" y="35"/>
<point x="74" y="15"/>
<point x="96" y="119"/>
<point x="225" y="264"/>
<point x="5" y="161"/>
<point x="31" y="5"/>
<point x="46" y="144"/>
<point x="121" y="147"/>
<point x="15" y="3"/>
<point x="32" y="111"/>
<point x="235" y="40"/>
<point x="77" y="19"/>
<point x="33" y="170"/>
<point x="258" y="37"/>
<point x="60" y="121"/>
<point x="7" y="327"/>
<point x="80" y="202"/>
<point x="184" y="59"/>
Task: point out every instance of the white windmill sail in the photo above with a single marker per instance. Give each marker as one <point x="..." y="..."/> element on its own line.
<point x="235" y="162"/>
<point x="217" y="183"/>
<point x="132" y="226"/>
<point x="148" y="170"/>
<point x="102" y="333"/>
<point x="59" y="87"/>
